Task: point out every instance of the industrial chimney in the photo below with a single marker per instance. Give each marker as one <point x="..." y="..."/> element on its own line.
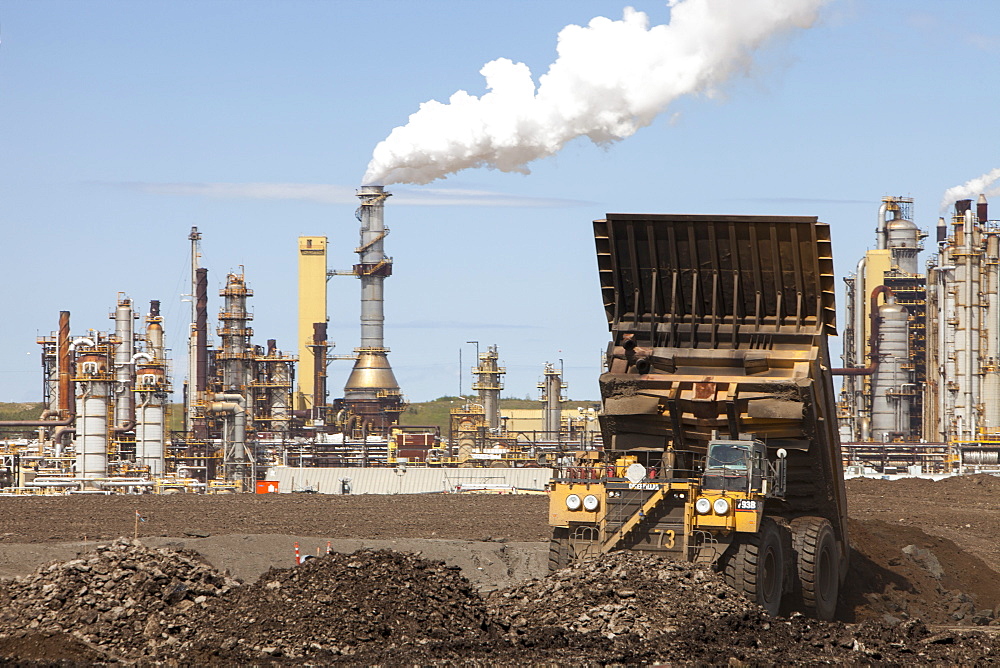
<point x="372" y="394"/>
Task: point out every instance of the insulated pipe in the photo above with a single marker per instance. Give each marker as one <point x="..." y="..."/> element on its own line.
<point x="146" y="356"/>
<point x="237" y="405"/>
<point x="880" y="234"/>
<point x="872" y="341"/>
<point x="859" y="312"/>
<point x="84" y="340"/>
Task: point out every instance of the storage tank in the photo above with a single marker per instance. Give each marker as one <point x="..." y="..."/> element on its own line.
<point x="891" y="379"/>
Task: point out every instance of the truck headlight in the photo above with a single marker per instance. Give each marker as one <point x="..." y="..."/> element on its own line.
<point x="573" y="502"/>
<point x="702" y="506"/>
<point x="721" y="506"/>
<point x="590" y="503"/>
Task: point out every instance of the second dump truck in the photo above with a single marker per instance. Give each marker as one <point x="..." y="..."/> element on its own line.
<point x="720" y="438"/>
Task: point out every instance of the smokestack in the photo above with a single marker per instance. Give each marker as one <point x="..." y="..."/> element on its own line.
<point x="374" y="266"/>
<point x="201" y="331"/>
<point x="942" y="230"/>
<point x="982" y="213"/>
<point x="371" y="390"/>
<point x="65" y="364"/>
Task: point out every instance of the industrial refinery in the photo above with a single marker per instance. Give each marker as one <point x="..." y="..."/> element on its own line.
<point x="921" y="383"/>
<point x="920" y="390"/>
<point x="251" y="409"/>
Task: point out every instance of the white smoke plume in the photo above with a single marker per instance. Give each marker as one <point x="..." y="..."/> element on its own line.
<point x="610" y="79"/>
<point x="985" y="185"/>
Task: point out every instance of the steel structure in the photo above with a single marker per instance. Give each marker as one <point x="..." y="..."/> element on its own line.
<point x="552" y="387"/>
<point x="962" y="395"/>
<point x="489" y="385"/>
<point x="884" y="339"/>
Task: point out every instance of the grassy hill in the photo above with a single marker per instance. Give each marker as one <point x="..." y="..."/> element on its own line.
<point x="434" y="413"/>
<point x="21" y="411"/>
<point x="438" y="411"/>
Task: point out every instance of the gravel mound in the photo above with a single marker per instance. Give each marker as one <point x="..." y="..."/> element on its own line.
<point x="622" y="593"/>
<point x="373" y="602"/>
<point x="123" y="598"/>
<point x="128" y="604"/>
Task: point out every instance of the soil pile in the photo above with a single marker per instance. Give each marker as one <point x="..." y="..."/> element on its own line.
<point x="898" y="572"/>
<point x="623" y="593"/>
<point x="111" y="598"/>
<point x="129" y="603"/>
<point x="372" y="603"/>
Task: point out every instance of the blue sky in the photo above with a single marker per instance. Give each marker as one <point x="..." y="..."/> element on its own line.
<point x="123" y="124"/>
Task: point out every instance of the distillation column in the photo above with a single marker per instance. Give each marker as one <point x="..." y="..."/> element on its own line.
<point x="124" y="349"/>
<point x="236" y="349"/>
<point x="965" y="309"/>
<point x="151" y="392"/>
<point x="488" y="385"/>
<point x="990" y="357"/>
<point x="552" y="387"/>
<point x="891" y="386"/>
<point x="372" y="393"/>
<point x="93" y="381"/>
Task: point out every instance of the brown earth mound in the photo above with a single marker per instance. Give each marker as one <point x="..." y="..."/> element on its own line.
<point x="341" y="605"/>
<point x="622" y="593"/>
<point x="380" y="607"/>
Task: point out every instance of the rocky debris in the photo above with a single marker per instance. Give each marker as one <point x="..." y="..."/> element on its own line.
<point x="622" y="593"/>
<point x="371" y="603"/>
<point x="123" y="598"/>
<point x="127" y="604"/>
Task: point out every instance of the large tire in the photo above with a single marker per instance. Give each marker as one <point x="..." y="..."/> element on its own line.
<point x="559" y="549"/>
<point x="817" y="563"/>
<point x="755" y="565"/>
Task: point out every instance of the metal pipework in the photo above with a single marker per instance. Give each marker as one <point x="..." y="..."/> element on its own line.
<point x="235" y="451"/>
<point x="873" y="341"/>
<point x="880" y="232"/>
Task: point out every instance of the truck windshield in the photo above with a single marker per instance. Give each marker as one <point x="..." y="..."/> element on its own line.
<point x="728" y="456"/>
<point x="726" y="467"/>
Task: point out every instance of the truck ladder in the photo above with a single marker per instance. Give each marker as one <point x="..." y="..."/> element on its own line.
<point x="632" y="522"/>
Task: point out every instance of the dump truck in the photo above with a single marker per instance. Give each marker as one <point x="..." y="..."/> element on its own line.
<point x="720" y="436"/>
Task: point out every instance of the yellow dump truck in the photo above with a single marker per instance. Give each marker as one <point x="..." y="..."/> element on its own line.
<point x="718" y="420"/>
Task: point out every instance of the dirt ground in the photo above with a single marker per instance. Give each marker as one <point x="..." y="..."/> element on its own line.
<point x="922" y="550"/>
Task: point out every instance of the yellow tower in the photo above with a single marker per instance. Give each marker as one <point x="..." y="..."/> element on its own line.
<point x="312" y="309"/>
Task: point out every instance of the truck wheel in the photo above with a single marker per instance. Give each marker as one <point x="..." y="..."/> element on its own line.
<point x="559" y="549"/>
<point x="817" y="564"/>
<point x="755" y="566"/>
